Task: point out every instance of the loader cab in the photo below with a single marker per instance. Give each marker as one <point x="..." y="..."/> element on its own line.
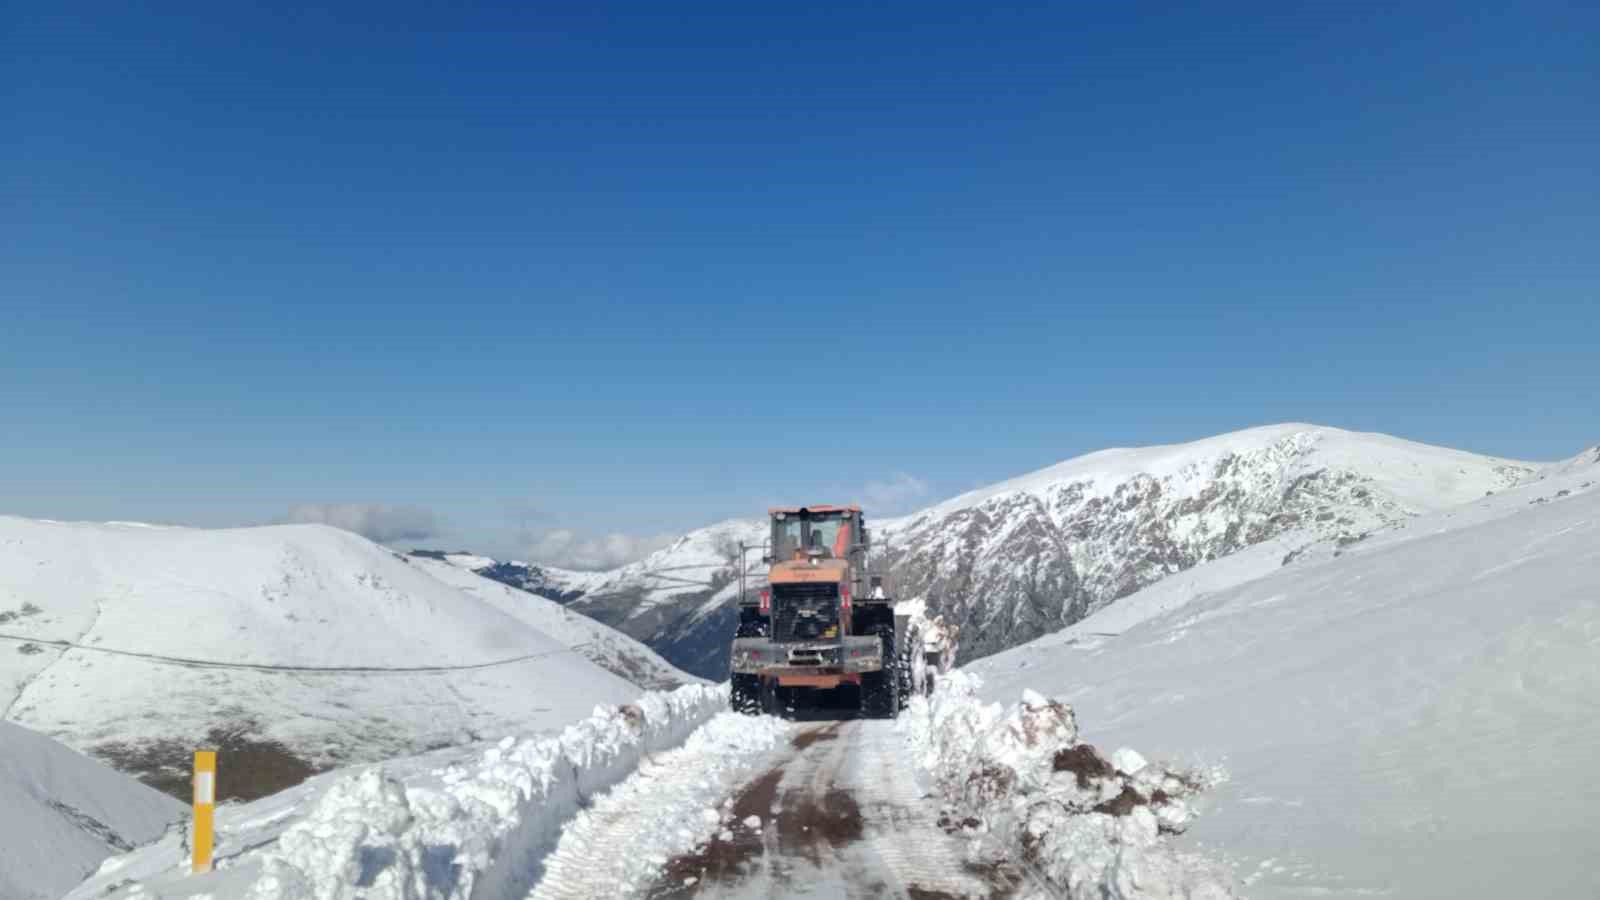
<point x="829" y="532"/>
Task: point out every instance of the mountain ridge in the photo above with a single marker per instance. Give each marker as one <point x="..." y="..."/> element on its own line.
<point x="1034" y="553"/>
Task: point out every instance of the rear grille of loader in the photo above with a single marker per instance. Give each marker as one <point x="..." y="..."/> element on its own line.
<point x="804" y="612"/>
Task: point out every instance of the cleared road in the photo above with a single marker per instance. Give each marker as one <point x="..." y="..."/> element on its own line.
<point x="840" y="815"/>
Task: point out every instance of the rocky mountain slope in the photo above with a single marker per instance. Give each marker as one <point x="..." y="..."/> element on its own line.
<point x="1028" y="556"/>
<point x="300" y="645"/>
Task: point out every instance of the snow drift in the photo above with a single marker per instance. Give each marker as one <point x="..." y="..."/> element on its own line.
<point x="61" y="813"/>
<point x="450" y="825"/>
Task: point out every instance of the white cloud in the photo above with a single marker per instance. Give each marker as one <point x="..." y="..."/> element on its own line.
<point x="564" y="548"/>
<point x="895" y="495"/>
<point x="374" y="521"/>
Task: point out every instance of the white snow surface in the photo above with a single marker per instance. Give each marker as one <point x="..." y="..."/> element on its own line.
<point x="1406" y="719"/>
<point x="1587" y="461"/>
<point x="61" y="813"/>
<point x="305" y="634"/>
<point x="454" y="824"/>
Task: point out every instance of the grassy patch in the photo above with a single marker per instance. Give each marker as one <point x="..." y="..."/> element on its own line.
<point x="248" y="767"/>
<point x="11" y="615"/>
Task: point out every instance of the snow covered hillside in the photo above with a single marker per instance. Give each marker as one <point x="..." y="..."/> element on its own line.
<point x="605" y="647"/>
<point x="680" y="600"/>
<point x="1415" y="717"/>
<point x="307" y="645"/>
<point x="1026" y="557"/>
<point x="61" y="813"/>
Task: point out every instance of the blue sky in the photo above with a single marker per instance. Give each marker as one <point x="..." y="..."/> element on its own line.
<point x="627" y="269"/>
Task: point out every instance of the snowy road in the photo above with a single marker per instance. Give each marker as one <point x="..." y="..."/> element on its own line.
<point x="842" y="817"/>
<point x="834" y="811"/>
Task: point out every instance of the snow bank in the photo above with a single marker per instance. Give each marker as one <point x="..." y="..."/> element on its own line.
<point x="483" y="835"/>
<point x="1021" y="785"/>
<point x="619" y="846"/>
<point x="475" y="828"/>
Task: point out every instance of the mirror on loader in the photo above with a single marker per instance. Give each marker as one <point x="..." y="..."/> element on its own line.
<point x="865" y="542"/>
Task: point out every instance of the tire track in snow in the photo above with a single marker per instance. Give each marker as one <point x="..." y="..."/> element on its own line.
<point x="902" y="831"/>
<point x="843" y="817"/>
<point x="619" y="844"/>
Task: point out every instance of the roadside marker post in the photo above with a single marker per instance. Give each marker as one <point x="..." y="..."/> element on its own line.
<point x="205" y="807"/>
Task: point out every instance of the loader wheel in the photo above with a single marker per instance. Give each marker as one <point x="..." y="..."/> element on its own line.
<point x="745" y="694"/>
<point x="880" y="691"/>
<point x="771" y="700"/>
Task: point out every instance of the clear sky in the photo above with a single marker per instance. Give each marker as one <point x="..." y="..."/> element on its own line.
<point x="615" y="269"/>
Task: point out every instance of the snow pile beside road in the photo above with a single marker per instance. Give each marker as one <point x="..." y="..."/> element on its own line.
<point x="619" y="846"/>
<point x="1021" y="785"/>
<point x="475" y="825"/>
<point x="484" y="833"/>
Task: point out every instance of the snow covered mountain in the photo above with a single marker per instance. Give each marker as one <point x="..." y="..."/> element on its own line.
<point x="680" y="600"/>
<point x="1026" y="557"/>
<point x="61" y="813"/>
<point x="605" y="647"/>
<point x="304" y="645"/>
<point x="1409" y="719"/>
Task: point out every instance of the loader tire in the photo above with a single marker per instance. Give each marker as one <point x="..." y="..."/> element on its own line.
<point x="771" y="700"/>
<point x="880" y="691"/>
<point x="744" y="695"/>
<point x="879" y="695"/>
